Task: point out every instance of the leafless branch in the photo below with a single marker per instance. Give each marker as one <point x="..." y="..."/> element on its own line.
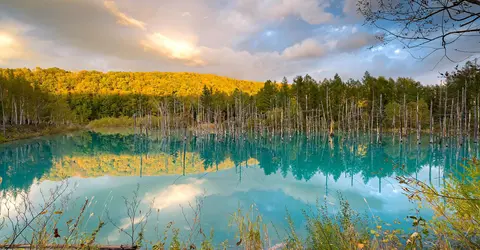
<point x="433" y="25"/>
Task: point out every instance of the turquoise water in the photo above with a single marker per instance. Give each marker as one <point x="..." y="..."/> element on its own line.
<point x="223" y="173"/>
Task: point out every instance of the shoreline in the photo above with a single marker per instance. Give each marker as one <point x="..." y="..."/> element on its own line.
<point x="17" y="133"/>
<point x="31" y="131"/>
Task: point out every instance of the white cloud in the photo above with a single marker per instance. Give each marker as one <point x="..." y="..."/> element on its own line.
<point x="174" y="195"/>
<point x="240" y="22"/>
<point x="122" y="18"/>
<point x="356" y="41"/>
<point x="350" y="7"/>
<point x="308" y="48"/>
<point x="311" y="11"/>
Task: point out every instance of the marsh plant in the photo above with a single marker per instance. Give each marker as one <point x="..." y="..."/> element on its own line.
<point x="456" y="206"/>
<point x="251" y="232"/>
<point x="41" y="225"/>
<point x="137" y="219"/>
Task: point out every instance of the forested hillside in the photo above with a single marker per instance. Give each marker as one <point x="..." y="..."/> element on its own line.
<point x="55" y="96"/>
<point x="58" y="96"/>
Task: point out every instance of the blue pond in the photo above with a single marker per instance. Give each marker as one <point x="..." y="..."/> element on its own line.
<point x="223" y="174"/>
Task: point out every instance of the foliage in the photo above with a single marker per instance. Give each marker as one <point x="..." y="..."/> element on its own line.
<point x="56" y="96"/>
<point x="339" y="231"/>
<point x="393" y="112"/>
<point x="251" y="232"/>
<point x="38" y="224"/>
<point x="111" y="122"/>
<point x="266" y="97"/>
<point x="456" y="206"/>
<point x="124" y="122"/>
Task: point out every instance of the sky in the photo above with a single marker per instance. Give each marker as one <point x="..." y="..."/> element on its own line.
<point x="245" y="39"/>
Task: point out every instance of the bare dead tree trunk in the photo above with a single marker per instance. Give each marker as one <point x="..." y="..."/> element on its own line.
<point x="380" y="132"/>
<point x="14" y="105"/>
<point x="475" y="126"/>
<point x="459" y="121"/>
<point x="440" y="111"/>
<point x="328" y="111"/>
<point x="451" y="120"/>
<point x="3" y="112"/>
<point x="350" y="119"/>
<point x="405" y="115"/>
<point x="281" y="124"/>
<point x="431" y="121"/>
<point x="306" y="115"/>
<point x="371" y="119"/>
<point x="324" y="117"/>
<point x="461" y="115"/>
<point x="274" y="115"/>
<point x="358" y="119"/>
<point x="394" y="126"/>
<point x="418" y="124"/>
<point x="297" y="117"/>
<point x="444" y="134"/>
<point x="466" y="130"/>
<point x="22" y="100"/>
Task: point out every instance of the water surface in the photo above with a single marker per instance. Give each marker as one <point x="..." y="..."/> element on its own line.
<point x="224" y="173"/>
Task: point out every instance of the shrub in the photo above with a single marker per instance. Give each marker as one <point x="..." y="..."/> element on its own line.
<point x="456" y="206"/>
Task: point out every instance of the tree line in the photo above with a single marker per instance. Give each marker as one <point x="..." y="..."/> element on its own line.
<point x="187" y="100"/>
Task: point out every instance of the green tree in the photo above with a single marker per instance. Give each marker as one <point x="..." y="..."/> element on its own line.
<point x="266" y="97"/>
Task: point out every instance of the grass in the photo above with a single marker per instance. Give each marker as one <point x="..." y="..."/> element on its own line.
<point x="30" y="131"/>
<point x="122" y="122"/>
<point x="112" y="122"/>
<point x="324" y="232"/>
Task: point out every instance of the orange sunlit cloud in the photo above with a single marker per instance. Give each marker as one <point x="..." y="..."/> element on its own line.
<point x="10" y="47"/>
<point x="174" y="49"/>
<point x="122" y="18"/>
